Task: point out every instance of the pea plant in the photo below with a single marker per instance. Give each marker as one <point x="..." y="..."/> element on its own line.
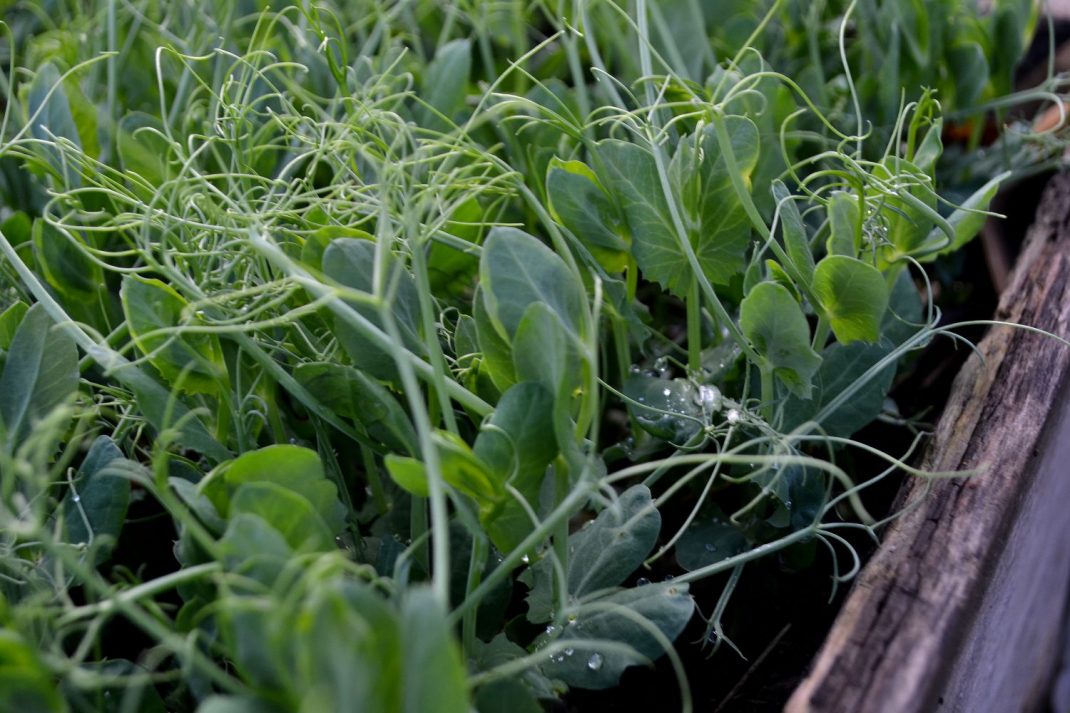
<point x="387" y="351"/>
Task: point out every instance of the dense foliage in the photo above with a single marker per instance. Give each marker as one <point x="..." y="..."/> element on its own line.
<point x="375" y="354"/>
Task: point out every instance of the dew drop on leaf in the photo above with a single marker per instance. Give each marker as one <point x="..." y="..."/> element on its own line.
<point x="595" y="662"/>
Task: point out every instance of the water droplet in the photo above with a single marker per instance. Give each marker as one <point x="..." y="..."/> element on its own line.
<point x="642" y="582"/>
<point x="710" y="547"/>
<point x="666" y="392"/>
<point x="787" y="504"/>
<point x="525" y="559"/>
<point x="569" y="651"/>
<point x="710" y="397"/>
<point x="733" y="416"/>
<point x="550" y="630"/>
<point x="634" y="369"/>
<point x="77" y="498"/>
<point x="595" y="662"/>
<point x="669" y="578"/>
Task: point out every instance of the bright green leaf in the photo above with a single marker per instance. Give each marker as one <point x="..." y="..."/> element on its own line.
<point x="287" y="511"/>
<point x="153" y="310"/>
<point x="774" y="322"/>
<point x="854" y="296"/>
<point x="578" y="202"/>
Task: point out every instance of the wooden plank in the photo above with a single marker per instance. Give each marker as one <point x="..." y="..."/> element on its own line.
<point x="904" y="634"/>
<point x="1008" y="657"/>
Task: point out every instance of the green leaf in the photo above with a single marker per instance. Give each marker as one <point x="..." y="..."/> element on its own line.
<point x="9" y="323"/>
<point x="793" y="231"/>
<point x="517" y="444"/>
<point x="287" y="511"/>
<point x="65" y="263"/>
<point x="144" y="150"/>
<point x="579" y="202"/>
<point x="845" y="223"/>
<point x="350" y="393"/>
<point x="931" y="147"/>
<point x="667" y="606"/>
<point x="193" y="362"/>
<point x="506" y="695"/>
<point x="666" y="409"/>
<point x="445" y="84"/>
<point x="433" y="676"/>
<point x="500" y="650"/>
<point x="968" y="68"/>
<point x="103" y="495"/>
<point x="854" y="296"/>
<point x="517" y="270"/>
<point x="605" y="552"/>
<point x="543" y="352"/>
<point x="163" y="410"/>
<point x="460" y="467"/>
<point x="773" y="321"/>
<point x="293" y="467"/>
<point x="408" y="473"/>
<point x="351" y="263"/>
<point x="40" y="374"/>
<point x="252" y="548"/>
<point x="497" y="354"/>
<point x="966" y="220"/>
<point x="25" y="683"/>
<point x="909" y="221"/>
<point x="707" y="542"/>
<point x="717" y="223"/>
<point x="316" y="243"/>
<point x="842" y="365"/>
<point x="630" y="176"/>
<point x="50" y="119"/>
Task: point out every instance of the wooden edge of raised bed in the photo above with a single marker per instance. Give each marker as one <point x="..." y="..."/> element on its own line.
<point x="924" y="603"/>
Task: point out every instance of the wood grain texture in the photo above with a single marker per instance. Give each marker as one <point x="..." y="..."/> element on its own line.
<point x="911" y="612"/>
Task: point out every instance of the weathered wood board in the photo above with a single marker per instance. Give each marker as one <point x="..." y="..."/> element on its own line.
<point x="961" y="607"/>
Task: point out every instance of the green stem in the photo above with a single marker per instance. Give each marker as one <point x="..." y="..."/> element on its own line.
<point x="418" y="531"/>
<point x="632" y="278"/>
<point x="141" y="591"/>
<point x="375" y="482"/>
<point x="475" y="573"/>
<point x="768" y="393"/>
<point x="561" y="491"/>
<point x="694" y="328"/>
<point x="821" y="334"/>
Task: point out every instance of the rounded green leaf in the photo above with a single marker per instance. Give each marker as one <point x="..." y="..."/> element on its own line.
<point x="293" y="467"/>
<point x="854" y="296"/>
<point x="516" y="270"/>
<point x="153" y="310"/>
<point x="774" y="322"/>
<point x="578" y="202"/>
